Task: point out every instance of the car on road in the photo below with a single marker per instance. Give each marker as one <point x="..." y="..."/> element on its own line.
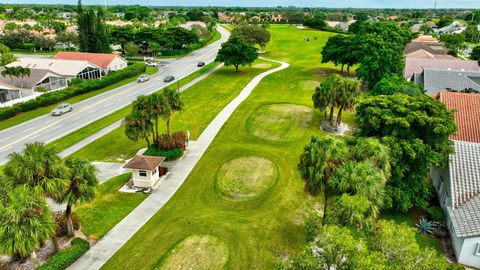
<point x="201" y="64"/>
<point x="169" y="78"/>
<point x="152" y="64"/>
<point x="143" y="78"/>
<point x="62" y="109"/>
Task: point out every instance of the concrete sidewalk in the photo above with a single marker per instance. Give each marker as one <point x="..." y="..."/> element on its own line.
<point x="105" y="248"/>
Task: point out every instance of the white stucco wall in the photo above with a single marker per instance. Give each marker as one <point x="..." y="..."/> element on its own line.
<point x="467" y="255"/>
<point x="145" y="181"/>
<point x="437" y="174"/>
<point x="117" y="64"/>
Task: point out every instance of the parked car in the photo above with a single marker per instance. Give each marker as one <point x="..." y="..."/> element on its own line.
<point x="201" y="64"/>
<point x="152" y="64"/>
<point x="61" y="109"/>
<point x="143" y="78"/>
<point x="169" y="78"/>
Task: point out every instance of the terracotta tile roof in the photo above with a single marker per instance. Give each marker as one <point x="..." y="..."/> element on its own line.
<point x="467" y="115"/>
<point x="416" y="65"/>
<point x="102" y="60"/>
<point x="425" y="38"/>
<point x="140" y="162"/>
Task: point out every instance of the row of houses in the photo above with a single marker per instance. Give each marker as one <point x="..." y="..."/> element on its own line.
<point x="456" y="83"/>
<point x="50" y="74"/>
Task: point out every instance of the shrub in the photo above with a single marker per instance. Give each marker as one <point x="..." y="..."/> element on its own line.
<point x="66" y="257"/>
<point x="50" y="98"/>
<point x="61" y="222"/>
<point x="171" y="141"/>
<point x="435" y="213"/>
<point x="171" y="154"/>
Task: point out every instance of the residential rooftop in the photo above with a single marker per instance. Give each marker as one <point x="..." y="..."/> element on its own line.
<point x="435" y="80"/>
<point x="417" y="65"/>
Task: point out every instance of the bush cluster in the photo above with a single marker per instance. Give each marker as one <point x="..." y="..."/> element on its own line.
<point x="50" y="98"/>
<point x="66" y="257"/>
<point x="171" y="141"/>
<point x="61" y="221"/>
<point x="435" y="213"/>
<point x="171" y="154"/>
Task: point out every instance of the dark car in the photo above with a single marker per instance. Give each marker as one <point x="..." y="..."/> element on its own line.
<point x="169" y="79"/>
<point x="201" y="64"/>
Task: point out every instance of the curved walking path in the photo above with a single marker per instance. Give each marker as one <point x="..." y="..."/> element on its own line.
<point x="105" y="248"/>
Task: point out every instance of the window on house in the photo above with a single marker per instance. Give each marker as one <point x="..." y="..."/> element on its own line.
<point x="154" y="171"/>
<point x="142" y="173"/>
<point x="477" y="250"/>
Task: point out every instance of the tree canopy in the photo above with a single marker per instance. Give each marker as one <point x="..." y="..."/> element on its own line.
<point x="92" y="32"/>
<point x="252" y="34"/>
<point x="394" y="84"/>
<point x="416" y="129"/>
<point x="237" y="52"/>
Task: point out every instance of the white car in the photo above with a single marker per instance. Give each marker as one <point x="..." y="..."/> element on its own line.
<point x="143" y="78"/>
<point x="61" y="109"/>
<point x="152" y="64"/>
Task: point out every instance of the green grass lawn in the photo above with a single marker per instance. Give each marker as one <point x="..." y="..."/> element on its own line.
<point x="260" y="230"/>
<point x="78" y="135"/>
<point x="25" y="116"/>
<point x="203" y="102"/>
<point x="109" y="207"/>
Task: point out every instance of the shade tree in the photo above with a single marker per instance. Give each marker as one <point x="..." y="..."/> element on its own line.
<point x="252" y="34"/>
<point x="237" y="52"/>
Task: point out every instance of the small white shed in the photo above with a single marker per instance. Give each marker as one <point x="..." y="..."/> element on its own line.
<point x="146" y="170"/>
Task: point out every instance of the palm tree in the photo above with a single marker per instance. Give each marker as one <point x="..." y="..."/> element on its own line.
<point x="81" y="187"/>
<point x="10" y="72"/>
<point x="346" y="93"/>
<point x="26" y="222"/>
<point x="158" y="103"/>
<point x="362" y="178"/>
<point x="23" y="72"/>
<point x="38" y="167"/>
<point x="318" y="162"/>
<point x="322" y="98"/>
<point x="173" y="103"/>
<point x="137" y="127"/>
<point x="145" y="106"/>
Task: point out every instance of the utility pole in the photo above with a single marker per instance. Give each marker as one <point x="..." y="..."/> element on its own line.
<point x="434" y="7"/>
<point x="105" y="4"/>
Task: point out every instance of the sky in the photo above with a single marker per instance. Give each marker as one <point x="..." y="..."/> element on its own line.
<point x="274" y="3"/>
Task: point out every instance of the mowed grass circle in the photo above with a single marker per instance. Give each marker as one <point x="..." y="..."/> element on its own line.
<point x="199" y="252"/>
<point x="246" y="178"/>
<point x="279" y="122"/>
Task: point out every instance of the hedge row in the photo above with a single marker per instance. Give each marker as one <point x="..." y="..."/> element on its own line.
<point x="169" y="155"/>
<point x="50" y="98"/>
<point x="66" y="257"/>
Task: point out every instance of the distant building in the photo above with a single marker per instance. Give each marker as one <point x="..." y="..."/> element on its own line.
<point x="454" y="28"/>
<point x="146" y="170"/>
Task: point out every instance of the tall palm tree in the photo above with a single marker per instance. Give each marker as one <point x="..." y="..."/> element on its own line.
<point x="173" y="104"/>
<point x="137" y="127"/>
<point x="81" y="187"/>
<point x="318" y="161"/>
<point x="26" y="222"/>
<point x="10" y="72"/>
<point x="39" y="167"/>
<point x="322" y="98"/>
<point x="158" y="103"/>
<point x="347" y="91"/>
<point x="23" y="72"/>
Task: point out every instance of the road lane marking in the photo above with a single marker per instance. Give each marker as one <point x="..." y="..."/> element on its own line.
<point x="34" y="137"/>
<point x="76" y="118"/>
<point x="4" y="139"/>
<point x="28" y="129"/>
<point x="59" y="126"/>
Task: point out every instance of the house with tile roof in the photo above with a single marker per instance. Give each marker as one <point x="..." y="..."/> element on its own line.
<point x="107" y="61"/>
<point x="458" y="184"/>
<point x="68" y="69"/>
<point x="40" y="80"/>
<point x="417" y="65"/>
<point x="435" y="81"/>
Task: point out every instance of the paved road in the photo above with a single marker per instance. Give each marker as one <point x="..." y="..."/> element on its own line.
<point x="47" y="128"/>
<point x="106" y="247"/>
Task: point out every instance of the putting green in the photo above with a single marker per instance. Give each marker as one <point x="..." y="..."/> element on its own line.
<point x="245" y="178"/>
<point x="279" y="122"/>
<point x="307" y="85"/>
<point x="199" y="252"/>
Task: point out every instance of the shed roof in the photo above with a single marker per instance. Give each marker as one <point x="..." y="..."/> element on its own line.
<point x="141" y="162"/>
